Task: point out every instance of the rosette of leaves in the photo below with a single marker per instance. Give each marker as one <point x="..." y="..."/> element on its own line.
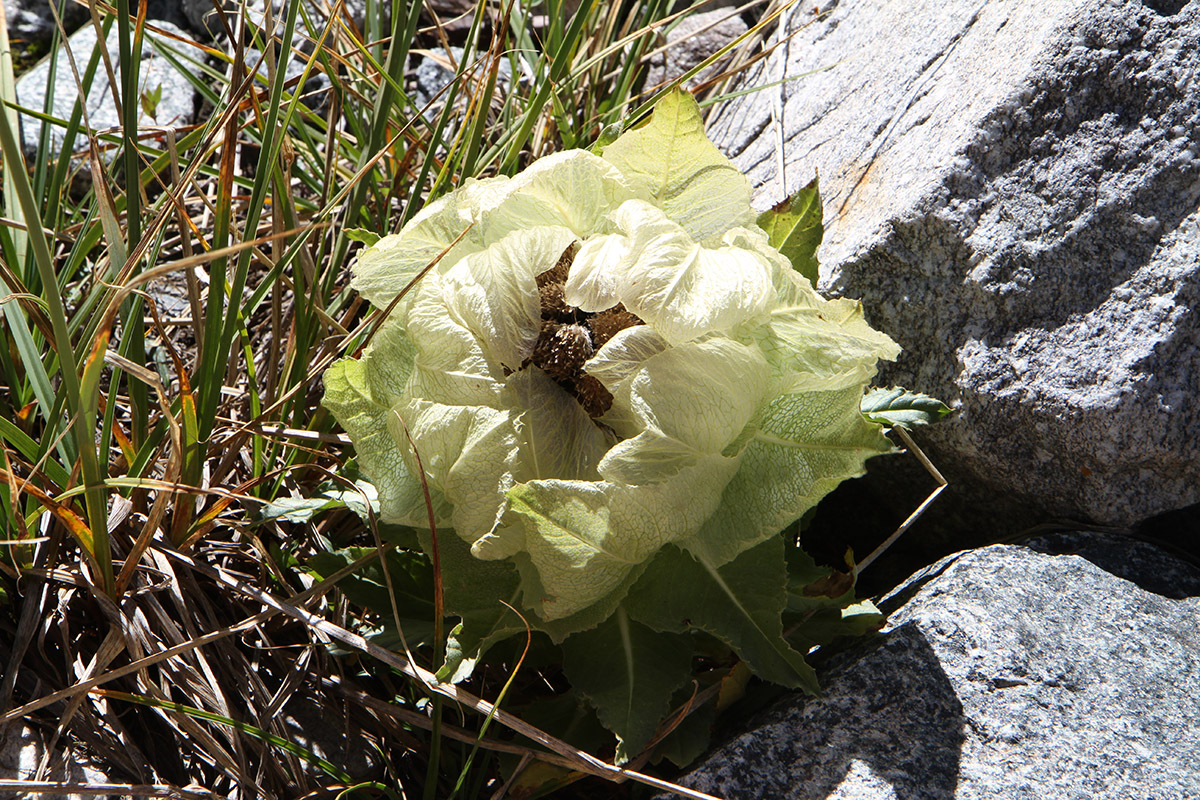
<point x="619" y="393"/>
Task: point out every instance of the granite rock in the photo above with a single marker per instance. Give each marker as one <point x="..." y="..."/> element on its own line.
<point x="690" y="41"/>
<point x="1140" y="562"/>
<point x="202" y="16"/>
<point x="434" y="72"/>
<point x="315" y="92"/>
<point x="1013" y="190"/>
<point x="32" y="21"/>
<point x="22" y="750"/>
<point x="175" y="106"/>
<point x="1002" y="673"/>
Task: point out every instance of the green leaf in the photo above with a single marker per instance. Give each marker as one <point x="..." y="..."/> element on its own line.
<point x="467" y="453"/>
<point x="328" y="496"/>
<point x="823" y="625"/>
<point x="298" y="509"/>
<point x="821" y="604"/>
<point x="410" y="574"/>
<point x="691" y="737"/>
<point x="473" y="590"/>
<point x="571" y="190"/>
<point x="583" y="539"/>
<point x="682" y="420"/>
<point x="558" y="438"/>
<point x="740" y="603"/>
<point x="628" y="673"/>
<point x="388" y="363"/>
<point x="347" y="395"/>
<point x="450" y="365"/>
<point x="494" y="293"/>
<point x="369" y="238"/>
<point x="411" y="580"/>
<point x="795" y="229"/>
<point x="608" y="134"/>
<point x="560" y="628"/>
<point x="684" y="173"/>
<point x="573" y="721"/>
<point x="150" y="98"/>
<point x="817" y="344"/>
<point x="389" y="265"/>
<point x="898" y="407"/>
<point x="805" y="445"/>
<point x="571" y="718"/>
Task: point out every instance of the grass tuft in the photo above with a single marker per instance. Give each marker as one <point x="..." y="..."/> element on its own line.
<point x="169" y="298"/>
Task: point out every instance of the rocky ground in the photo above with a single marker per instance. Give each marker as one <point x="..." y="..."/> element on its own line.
<point x="1014" y="193"/>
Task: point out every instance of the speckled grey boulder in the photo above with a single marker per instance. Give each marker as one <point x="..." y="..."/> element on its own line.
<point x="22" y="750"/>
<point x="176" y="105"/>
<point x="690" y="41"/>
<point x="1012" y="189"/>
<point x="1005" y="674"/>
<point x="202" y="15"/>
<point x="433" y="74"/>
<point x="32" y="21"/>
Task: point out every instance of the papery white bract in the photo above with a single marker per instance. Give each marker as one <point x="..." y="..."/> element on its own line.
<point x="613" y="359"/>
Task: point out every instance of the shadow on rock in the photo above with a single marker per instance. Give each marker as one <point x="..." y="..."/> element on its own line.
<point x="889" y="717"/>
<point x="1147" y="565"/>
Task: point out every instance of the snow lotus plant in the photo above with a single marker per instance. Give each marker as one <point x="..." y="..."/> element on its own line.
<point x="619" y="393"/>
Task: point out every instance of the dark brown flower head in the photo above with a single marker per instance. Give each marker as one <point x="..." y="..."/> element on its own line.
<point x="561" y="350"/>
<point x="569" y="337"/>
<point x="554" y="306"/>
<point x="558" y="273"/>
<point x="606" y="324"/>
<point x="592" y="395"/>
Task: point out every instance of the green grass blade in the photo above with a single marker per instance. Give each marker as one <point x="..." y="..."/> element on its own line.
<point x="30" y="451"/>
<point x="84" y="423"/>
<point x="258" y="733"/>
<point x="8" y="91"/>
<point x="223" y="332"/>
<point x="28" y="350"/>
<point x="129" y="37"/>
<point x="558" y="67"/>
